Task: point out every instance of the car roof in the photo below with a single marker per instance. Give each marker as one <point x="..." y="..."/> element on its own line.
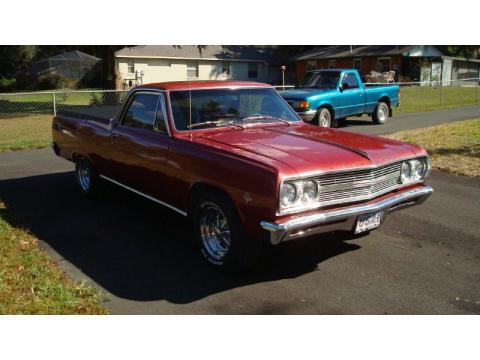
<point x="202" y="84"/>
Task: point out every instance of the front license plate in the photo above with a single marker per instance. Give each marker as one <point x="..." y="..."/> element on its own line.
<point x="368" y="222"/>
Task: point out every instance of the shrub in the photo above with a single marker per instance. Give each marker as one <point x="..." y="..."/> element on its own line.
<point x="55" y="81"/>
<point x="7" y="84"/>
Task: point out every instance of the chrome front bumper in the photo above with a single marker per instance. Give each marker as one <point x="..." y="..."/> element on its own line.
<point x="307" y="115"/>
<point x="341" y="219"/>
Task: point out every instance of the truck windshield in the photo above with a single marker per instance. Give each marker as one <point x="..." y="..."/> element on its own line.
<point x="327" y="80"/>
<point x="195" y="109"/>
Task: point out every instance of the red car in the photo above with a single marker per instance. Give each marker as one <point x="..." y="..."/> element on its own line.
<point x="235" y="158"/>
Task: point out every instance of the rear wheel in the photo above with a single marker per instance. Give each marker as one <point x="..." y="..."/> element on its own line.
<point x="220" y="235"/>
<point x="380" y="115"/>
<point x="86" y="176"/>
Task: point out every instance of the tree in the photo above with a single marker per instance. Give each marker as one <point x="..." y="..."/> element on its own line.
<point x="14" y="58"/>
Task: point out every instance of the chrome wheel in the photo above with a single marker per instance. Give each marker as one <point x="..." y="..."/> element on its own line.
<point x="324" y="118"/>
<point x="214" y="232"/>
<point x="83" y="175"/>
<point x="382" y="113"/>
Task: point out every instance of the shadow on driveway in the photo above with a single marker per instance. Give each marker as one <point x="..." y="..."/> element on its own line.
<point x="137" y="250"/>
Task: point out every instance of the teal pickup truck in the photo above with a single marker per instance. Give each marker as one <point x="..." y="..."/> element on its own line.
<point x="329" y="96"/>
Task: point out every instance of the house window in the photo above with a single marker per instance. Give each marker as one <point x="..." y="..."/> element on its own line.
<point x="252" y="70"/>
<point x="332" y="64"/>
<point x="311" y="65"/>
<point x="383" y="64"/>
<point x="357" y="64"/>
<point x="130" y="67"/>
<point x="225" y="68"/>
<point x="192" y="70"/>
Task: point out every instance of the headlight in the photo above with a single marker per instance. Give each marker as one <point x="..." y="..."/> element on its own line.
<point x="310" y="190"/>
<point x="414" y="170"/>
<point x="288" y="194"/>
<point x="406" y="172"/>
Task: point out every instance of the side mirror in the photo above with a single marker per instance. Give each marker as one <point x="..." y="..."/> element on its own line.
<point x="341" y="88"/>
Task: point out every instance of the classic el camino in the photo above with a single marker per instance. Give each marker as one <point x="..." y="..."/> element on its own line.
<point x="238" y="161"/>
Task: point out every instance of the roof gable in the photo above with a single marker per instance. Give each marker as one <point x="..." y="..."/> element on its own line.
<point x="210" y="52"/>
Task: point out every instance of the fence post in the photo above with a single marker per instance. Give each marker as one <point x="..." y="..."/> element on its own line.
<point x="441" y="94"/>
<point x="476" y="90"/>
<point x="54" y="105"/>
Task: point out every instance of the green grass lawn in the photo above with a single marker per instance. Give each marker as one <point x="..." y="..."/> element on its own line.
<point x="31" y="132"/>
<point x="31" y="283"/>
<point x="452" y="147"/>
<point x="418" y="98"/>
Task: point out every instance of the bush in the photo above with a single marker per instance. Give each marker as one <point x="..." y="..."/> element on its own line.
<point x="55" y="81"/>
<point x="7" y="84"/>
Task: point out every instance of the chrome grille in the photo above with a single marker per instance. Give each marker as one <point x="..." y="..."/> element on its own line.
<point x="358" y="184"/>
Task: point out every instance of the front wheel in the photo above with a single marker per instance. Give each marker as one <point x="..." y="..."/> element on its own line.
<point x="323" y="118"/>
<point x="380" y="115"/>
<point x="220" y="235"/>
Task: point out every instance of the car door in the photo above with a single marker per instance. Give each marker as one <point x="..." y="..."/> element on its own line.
<point x="352" y="97"/>
<point x="140" y="144"/>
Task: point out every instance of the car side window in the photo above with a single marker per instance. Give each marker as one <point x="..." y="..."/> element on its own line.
<point x="350" y="81"/>
<point x="141" y="111"/>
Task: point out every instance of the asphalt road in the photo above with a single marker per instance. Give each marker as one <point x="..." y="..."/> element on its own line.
<point x="424" y="260"/>
<point x="412" y="121"/>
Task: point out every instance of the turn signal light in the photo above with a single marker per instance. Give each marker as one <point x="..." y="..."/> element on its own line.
<point x="303" y="104"/>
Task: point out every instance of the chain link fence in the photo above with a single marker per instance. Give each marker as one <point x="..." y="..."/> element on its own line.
<point x="414" y="96"/>
<point x="99" y="103"/>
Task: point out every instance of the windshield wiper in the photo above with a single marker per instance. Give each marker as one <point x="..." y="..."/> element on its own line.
<point x="213" y="122"/>
<point x="264" y="117"/>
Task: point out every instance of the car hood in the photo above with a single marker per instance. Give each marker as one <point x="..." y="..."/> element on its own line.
<point x="306" y="148"/>
<point x="305" y="93"/>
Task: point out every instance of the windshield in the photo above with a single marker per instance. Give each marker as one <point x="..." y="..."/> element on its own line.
<point x="224" y="107"/>
<point x="327" y="80"/>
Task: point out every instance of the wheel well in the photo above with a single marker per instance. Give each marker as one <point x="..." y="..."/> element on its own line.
<point x="386" y="100"/>
<point x="329" y="107"/>
<point x="200" y="188"/>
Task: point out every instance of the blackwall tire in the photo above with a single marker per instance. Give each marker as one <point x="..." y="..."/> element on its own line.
<point x="323" y="118"/>
<point x="220" y="235"/>
<point x="381" y="113"/>
<point x="86" y="177"/>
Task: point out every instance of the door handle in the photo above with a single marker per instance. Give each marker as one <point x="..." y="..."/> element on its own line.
<point x="114" y="136"/>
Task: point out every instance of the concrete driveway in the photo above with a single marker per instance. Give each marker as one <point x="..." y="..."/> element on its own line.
<point x="425" y="260"/>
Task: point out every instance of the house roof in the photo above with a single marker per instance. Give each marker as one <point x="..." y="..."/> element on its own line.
<point x="347" y="51"/>
<point x="75" y="55"/>
<point x="210" y="52"/>
<point x="199" y="84"/>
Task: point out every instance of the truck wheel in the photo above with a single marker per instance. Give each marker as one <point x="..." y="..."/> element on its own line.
<point x="380" y="115"/>
<point x="323" y="118"/>
<point x="220" y="235"/>
<point x="87" y="178"/>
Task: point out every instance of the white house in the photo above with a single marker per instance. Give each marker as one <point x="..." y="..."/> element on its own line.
<point x="156" y="63"/>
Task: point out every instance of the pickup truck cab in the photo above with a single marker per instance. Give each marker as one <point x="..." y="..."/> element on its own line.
<point x="238" y="161"/>
<point x="330" y="96"/>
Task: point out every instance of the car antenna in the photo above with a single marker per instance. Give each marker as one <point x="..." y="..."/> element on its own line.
<point x="190" y="113"/>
